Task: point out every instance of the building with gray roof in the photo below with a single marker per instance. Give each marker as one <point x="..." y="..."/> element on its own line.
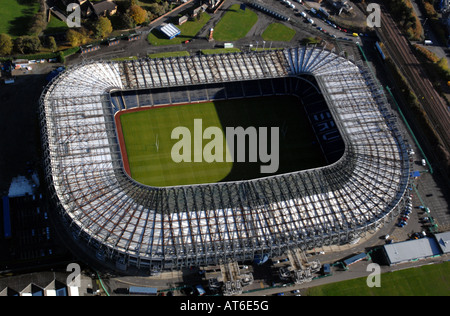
<point x="443" y="240"/>
<point x="411" y="250"/>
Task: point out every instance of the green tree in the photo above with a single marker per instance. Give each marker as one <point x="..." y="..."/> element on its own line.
<point x="27" y="44"/>
<point x="39" y="23"/>
<point x="126" y="21"/>
<point x="103" y="27"/>
<point x="6" y="44"/>
<point x="52" y="44"/>
<point x="442" y="65"/>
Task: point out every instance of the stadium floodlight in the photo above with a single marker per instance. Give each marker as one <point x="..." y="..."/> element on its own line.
<point x="172" y="227"/>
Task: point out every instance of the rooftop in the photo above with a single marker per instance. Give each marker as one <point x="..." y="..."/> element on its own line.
<point x="443" y="240"/>
<point x="411" y="250"/>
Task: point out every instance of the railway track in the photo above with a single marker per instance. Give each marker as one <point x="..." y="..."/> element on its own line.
<point x="401" y="52"/>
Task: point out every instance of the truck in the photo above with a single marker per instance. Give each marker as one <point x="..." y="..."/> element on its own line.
<point x="143" y="290"/>
<point x="326" y="269"/>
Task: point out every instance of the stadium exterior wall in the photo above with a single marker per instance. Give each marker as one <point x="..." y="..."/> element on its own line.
<point x="266" y="216"/>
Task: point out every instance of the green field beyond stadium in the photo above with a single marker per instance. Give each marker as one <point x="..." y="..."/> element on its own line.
<point x="148" y="140"/>
<point x="427" y="280"/>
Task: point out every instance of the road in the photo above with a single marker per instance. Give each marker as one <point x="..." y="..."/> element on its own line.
<point x="440" y="51"/>
<point x="142" y="48"/>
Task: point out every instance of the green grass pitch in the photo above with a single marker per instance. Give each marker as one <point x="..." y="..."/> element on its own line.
<point x="147" y="137"/>
<point x="235" y="24"/>
<point x="153" y="165"/>
<point x="278" y="32"/>
<point x="428" y="280"/>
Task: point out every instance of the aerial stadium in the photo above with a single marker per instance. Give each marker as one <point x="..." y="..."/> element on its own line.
<point x="360" y="186"/>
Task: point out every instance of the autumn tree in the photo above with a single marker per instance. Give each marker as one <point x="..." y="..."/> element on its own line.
<point x="103" y="27"/>
<point x="138" y="14"/>
<point x="75" y="38"/>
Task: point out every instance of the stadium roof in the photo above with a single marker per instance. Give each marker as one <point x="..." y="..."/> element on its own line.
<point x="411" y="250"/>
<point x="200" y="224"/>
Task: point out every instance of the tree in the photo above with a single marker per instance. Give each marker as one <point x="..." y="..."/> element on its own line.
<point x="157" y="9"/>
<point x="442" y="65"/>
<point x="6" y="44"/>
<point x="27" y="44"/>
<point x="126" y="21"/>
<point x="138" y="14"/>
<point x="102" y="27"/>
<point x="52" y="44"/>
<point x="39" y="23"/>
<point x="75" y="38"/>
